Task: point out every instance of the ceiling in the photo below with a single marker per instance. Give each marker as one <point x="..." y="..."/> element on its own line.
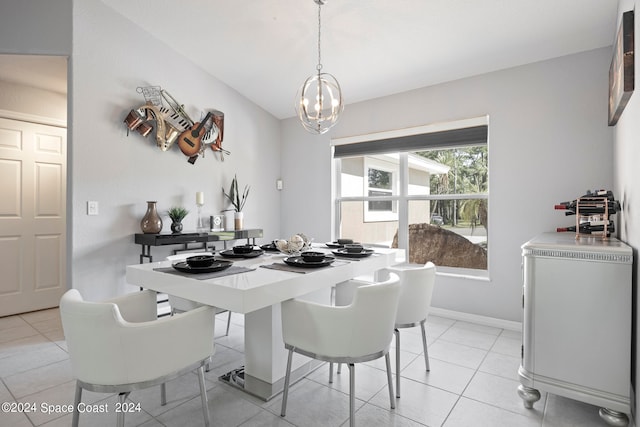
<point x="265" y="49"/>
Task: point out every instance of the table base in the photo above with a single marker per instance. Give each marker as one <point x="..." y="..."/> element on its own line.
<point x="262" y="389"/>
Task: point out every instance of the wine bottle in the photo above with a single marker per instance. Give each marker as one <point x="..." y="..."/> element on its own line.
<point x="589" y="207"/>
<point x="588" y="228"/>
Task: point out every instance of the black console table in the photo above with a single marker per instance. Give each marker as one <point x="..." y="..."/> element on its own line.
<point x="201" y="238"/>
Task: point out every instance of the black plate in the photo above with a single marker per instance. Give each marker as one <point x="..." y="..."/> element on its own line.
<point x="271" y="247"/>
<point x="334" y="245"/>
<point x="299" y="262"/>
<point x="362" y="254"/>
<point x="216" y="266"/>
<point x="228" y="253"/>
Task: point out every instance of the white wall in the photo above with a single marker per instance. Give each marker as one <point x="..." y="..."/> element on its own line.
<point x="626" y="160"/>
<point x="548" y="142"/>
<point x="111" y="58"/>
<point x="32" y="101"/>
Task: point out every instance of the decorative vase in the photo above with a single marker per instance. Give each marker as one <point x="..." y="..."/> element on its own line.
<point x="238" y="220"/>
<point x="176" y="227"/>
<point x="151" y="222"/>
<point x="228" y="221"/>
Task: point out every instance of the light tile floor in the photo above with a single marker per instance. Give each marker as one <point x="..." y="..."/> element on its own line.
<point x="472" y="383"/>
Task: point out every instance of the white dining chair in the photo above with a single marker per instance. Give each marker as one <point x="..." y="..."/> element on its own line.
<point x="180" y="305"/>
<point x="359" y="332"/>
<point x="119" y="346"/>
<point x="417" y="282"/>
<point x="413" y="308"/>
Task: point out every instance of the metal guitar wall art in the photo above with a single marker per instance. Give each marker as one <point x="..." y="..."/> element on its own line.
<point x="174" y="124"/>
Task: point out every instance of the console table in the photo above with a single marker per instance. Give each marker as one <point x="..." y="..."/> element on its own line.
<point x="201" y="238"/>
<point x="576" y="339"/>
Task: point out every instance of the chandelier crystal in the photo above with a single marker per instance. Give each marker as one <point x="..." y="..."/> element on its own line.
<point x="319" y="100"/>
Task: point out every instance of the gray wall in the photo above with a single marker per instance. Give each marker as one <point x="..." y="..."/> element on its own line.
<point x="111" y="58"/>
<point x="626" y="147"/>
<point x="36" y="27"/>
<point x="548" y="142"/>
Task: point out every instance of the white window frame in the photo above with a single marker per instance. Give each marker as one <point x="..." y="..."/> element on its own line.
<point x="402" y="198"/>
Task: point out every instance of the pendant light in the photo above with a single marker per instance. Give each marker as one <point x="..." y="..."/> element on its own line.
<point x="319" y="100"/>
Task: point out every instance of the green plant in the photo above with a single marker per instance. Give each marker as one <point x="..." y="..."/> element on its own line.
<point x="177" y="213"/>
<point x="234" y="195"/>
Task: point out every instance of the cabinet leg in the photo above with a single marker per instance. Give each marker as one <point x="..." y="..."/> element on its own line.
<point x="614" y="418"/>
<point x="528" y="395"/>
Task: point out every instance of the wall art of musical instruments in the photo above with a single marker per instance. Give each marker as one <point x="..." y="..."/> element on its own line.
<point x="172" y="125"/>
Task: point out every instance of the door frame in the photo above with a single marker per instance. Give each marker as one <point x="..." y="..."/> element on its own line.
<point x="32" y="118"/>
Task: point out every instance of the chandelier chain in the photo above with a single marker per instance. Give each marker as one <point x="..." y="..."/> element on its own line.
<point x="319" y="66"/>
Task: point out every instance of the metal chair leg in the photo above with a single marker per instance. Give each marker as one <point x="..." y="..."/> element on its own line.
<point x="285" y="391"/>
<point x="397" y="334"/>
<point x="228" y="325"/>
<point x="163" y="394"/>
<point x="120" y="416"/>
<point x="387" y="359"/>
<point x="203" y="396"/>
<point x="76" y="402"/>
<point x="424" y="346"/>
<point x="352" y="395"/>
<point x="330" y="372"/>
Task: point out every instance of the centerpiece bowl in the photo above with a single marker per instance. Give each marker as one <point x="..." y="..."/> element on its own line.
<point x="296" y="244"/>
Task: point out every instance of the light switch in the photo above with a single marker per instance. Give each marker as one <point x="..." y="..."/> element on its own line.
<point x="279" y="184"/>
<point x="92" y="208"/>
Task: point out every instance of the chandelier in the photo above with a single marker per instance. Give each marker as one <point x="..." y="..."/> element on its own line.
<point x="319" y="100"/>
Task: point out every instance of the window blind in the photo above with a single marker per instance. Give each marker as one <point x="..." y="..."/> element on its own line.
<point x="463" y="137"/>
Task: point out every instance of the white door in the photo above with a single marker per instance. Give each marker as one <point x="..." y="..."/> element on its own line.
<point x="32" y="216"/>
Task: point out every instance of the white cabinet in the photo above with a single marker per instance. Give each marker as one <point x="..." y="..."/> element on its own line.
<point x="576" y="339"/>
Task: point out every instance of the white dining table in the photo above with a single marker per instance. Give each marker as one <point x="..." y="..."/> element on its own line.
<point x="257" y="294"/>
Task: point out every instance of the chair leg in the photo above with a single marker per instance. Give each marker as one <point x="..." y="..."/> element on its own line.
<point x="397" y="334"/>
<point x="203" y="396"/>
<point x="76" y="402"/>
<point x="120" y="417"/>
<point x="287" y="377"/>
<point x="163" y="394"/>
<point x="424" y="346"/>
<point x="387" y="359"/>
<point x="330" y="372"/>
<point x="352" y="395"/>
<point x="228" y="325"/>
<point x="339" y="370"/>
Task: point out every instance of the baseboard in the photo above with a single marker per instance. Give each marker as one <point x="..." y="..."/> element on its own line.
<point x="476" y="318"/>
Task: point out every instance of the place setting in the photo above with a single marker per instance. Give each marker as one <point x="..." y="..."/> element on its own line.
<point x="305" y="262"/>
<point x="339" y="243"/>
<point x="353" y="251"/>
<point x="203" y="267"/>
<point x="242" y="251"/>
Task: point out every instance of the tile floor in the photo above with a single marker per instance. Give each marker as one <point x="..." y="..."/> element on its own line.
<point x="472" y="383"/>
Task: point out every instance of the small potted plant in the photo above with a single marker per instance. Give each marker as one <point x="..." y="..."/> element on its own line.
<point x="177" y="214"/>
<point x="237" y="200"/>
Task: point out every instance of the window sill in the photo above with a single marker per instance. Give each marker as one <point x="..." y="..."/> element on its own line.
<point x="458" y="273"/>
<point x="463" y="273"/>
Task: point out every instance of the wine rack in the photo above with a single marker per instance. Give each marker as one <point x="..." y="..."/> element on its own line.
<point x="588" y="204"/>
<point x="593" y="214"/>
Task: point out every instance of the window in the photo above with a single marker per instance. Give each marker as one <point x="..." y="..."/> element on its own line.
<point x="424" y="190"/>
<point x="380" y="183"/>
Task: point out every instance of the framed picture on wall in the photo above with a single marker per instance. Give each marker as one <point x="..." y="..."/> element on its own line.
<point x="621" y="71"/>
